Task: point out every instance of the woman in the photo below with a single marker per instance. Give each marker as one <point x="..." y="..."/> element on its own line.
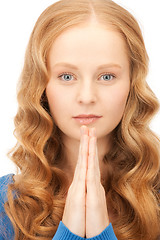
<point x="88" y="161"/>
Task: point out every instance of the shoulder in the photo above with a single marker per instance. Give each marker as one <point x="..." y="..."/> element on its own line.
<point x="6" y="228"/>
<point x="4" y="182"/>
<point x="7" y="179"/>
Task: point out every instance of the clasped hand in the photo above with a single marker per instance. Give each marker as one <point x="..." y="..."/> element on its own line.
<point x="85" y="213"/>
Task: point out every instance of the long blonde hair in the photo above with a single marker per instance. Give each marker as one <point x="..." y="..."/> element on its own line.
<point x="41" y="187"/>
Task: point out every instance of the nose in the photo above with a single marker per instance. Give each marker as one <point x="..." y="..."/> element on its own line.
<point x="87" y="92"/>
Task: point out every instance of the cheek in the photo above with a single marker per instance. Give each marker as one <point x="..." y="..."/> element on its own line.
<point x="121" y="99"/>
<point x="118" y="100"/>
<point x="57" y="99"/>
<point x="54" y="98"/>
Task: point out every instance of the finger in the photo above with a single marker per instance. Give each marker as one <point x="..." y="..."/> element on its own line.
<point x="83" y="130"/>
<point x="91" y="156"/>
<point x="91" y="159"/>
<point x="81" y="168"/>
<point x="92" y="132"/>
<point x="97" y="168"/>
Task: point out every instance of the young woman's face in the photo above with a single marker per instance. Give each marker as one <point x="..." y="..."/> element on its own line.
<point x="89" y="74"/>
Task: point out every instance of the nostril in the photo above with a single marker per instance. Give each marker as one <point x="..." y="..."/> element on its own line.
<point x="86" y="96"/>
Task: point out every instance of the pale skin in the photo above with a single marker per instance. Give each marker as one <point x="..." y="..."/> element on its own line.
<point x="86" y="195"/>
<point x="87" y="47"/>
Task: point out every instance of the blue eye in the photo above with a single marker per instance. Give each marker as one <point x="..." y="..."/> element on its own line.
<point x="68" y="77"/>
<point x="65" y="77"/>
<point x="107" y="77"/>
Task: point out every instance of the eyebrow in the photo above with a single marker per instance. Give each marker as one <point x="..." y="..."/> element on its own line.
<point x="99" y="67"/>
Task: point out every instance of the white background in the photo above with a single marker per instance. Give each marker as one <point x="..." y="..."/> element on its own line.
<point x="17" y="19"/>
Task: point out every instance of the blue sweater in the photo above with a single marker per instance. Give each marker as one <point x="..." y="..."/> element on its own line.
<point x="63" y="233"/>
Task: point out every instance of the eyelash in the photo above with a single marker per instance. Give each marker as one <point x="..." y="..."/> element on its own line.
<point x="109" y="74"/>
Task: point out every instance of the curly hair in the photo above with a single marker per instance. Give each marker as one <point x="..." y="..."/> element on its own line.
<point x="41" y="187"/>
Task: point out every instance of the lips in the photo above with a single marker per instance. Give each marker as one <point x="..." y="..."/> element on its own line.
<point x="87" y="116"/>
<point x="86" y="119"/>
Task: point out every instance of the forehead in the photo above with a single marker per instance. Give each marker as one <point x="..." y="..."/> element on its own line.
<point x="87" y="43"/>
